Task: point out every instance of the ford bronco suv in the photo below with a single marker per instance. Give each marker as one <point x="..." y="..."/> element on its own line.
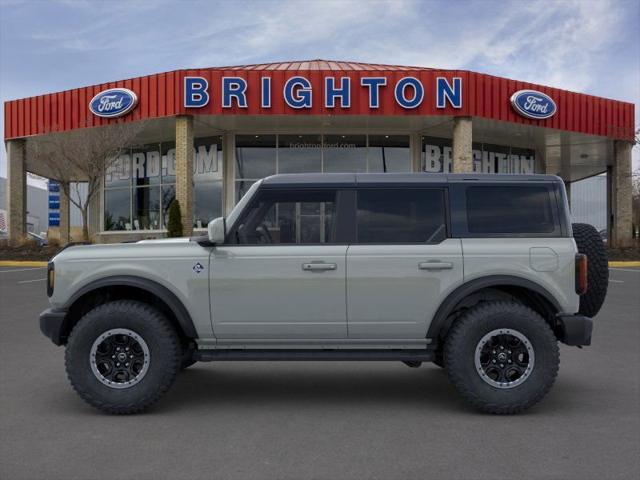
<point x="481" y="274"/>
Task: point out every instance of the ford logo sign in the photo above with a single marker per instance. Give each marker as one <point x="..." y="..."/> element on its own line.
<point x="533" y="104"/>
<point x="114" y="102"/>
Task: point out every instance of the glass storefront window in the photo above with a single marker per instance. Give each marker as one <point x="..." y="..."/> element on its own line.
<point x="145" y="177"/>
<point x="299" y="153"/>
<point x="208" y="202"/>
<point x="242" y="186"/>
<point x="487" y="158"/>
<point x="344" y="153"/>
<point x="117" y="209"/>
<point x="168" y="195"/>
<point x="145" y="165"/>
<point x="118" y="174"/>
<point x="146" y="208"/>
<point x="389" y="153"/>
<point x="255" y="156"/>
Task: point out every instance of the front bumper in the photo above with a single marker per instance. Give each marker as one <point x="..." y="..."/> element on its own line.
<point x="574" y="330"/>
<point x="53" y="323"/>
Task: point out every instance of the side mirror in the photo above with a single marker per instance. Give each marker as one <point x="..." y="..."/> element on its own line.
<point x="217" y="230"/>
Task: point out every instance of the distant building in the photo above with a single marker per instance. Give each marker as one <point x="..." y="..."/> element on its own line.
<point x="37" y="207"/>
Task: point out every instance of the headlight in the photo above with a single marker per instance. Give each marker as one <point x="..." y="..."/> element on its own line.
<point x="51" y="278"/>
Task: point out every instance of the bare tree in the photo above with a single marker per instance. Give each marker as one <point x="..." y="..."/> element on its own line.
<point x="82" y="156"/>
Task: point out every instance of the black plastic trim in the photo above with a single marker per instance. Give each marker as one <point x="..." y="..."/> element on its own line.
<point x="574" y="330"/>
<point x="52" y="324"/>
<point x="163" y="293"/>
<point x="439" y="322"/>
<point x="314" y="355"/>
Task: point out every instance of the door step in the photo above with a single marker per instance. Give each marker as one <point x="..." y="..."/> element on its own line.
<point x="314" y="355"/>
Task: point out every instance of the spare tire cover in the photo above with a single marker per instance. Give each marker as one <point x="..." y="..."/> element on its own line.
<point x="590" y="243"/>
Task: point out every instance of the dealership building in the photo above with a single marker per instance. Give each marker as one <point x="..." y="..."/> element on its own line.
<point x="204" y="136"/>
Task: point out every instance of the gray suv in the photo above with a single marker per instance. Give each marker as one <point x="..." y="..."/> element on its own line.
<point x="480" y="274"/>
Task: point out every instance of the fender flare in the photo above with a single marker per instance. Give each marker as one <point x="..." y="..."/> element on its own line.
<point x="163" y="293"/>
<point x="439" y="321"/>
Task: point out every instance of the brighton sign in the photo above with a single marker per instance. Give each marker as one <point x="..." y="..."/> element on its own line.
<point x="297" y="92"/>
<point x="533" y="104"/>
<point x="113" y="103"/>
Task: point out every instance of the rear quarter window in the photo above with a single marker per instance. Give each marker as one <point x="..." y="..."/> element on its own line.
<point x="516" y="210"/>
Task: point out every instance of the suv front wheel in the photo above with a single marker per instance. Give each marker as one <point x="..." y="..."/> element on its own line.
<point x="122" y="356"/>
<point x="502" y="357"/>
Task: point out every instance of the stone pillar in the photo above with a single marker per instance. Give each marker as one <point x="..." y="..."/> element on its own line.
<point x="184" y="170"/>
<point x="65" y="207"/>
<point x="228" y="173"/>
<point x="621" y="190"/>
<point x="16" y="191"/>
<point x="462" y="149"/>
<point x="415" y="147"/>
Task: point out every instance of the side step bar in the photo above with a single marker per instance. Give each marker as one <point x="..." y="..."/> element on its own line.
<point x="314" y="355"/>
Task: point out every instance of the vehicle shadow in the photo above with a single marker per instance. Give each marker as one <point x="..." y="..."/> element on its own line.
<point x="309" y="384"/>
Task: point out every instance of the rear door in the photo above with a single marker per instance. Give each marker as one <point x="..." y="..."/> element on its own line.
<point x="402" y="264"/>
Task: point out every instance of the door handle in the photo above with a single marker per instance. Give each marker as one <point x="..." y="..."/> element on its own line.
<point x="435" y="265"/>
<point x="318" y="267"/>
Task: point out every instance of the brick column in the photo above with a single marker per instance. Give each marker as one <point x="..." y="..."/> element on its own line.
<point x="228" y="172"/>
<point x="65" y="207"/>
<point x="16" y="191"/>
<point x="462" y="149"/>
<point x="415" y="147"/>
<point x="184" y="170"/>
<point x="621" y="188"/>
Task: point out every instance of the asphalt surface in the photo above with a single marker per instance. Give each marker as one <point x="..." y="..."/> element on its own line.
<point x="319" y="420"/>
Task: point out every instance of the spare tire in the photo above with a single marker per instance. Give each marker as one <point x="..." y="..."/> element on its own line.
<point x="590" y="243"/>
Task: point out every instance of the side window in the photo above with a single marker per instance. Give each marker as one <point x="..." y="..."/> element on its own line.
<point x="413" y="215"/>
<point x="500" y="209"/>
<point x="288" y="217"/>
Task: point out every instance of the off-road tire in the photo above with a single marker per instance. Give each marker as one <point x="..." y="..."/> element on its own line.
<point x="464" y="337"/>
<point x="164" y="358"/>
<point x="590" y="243"/>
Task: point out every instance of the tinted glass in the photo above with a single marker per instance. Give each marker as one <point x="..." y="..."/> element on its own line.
<point x="389" y="153"/>
<point x="401" y="216"/>
<point x="288" y="218"/>
<point x="255" y="156"/>
<point x="345" y="153"/>
<point x="509" y="209"/>
<point x="146" y="208"/>
<point x="299" y="153"/>
<point x="117" y="209"/>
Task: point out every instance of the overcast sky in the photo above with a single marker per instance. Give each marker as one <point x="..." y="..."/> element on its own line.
<point x="581" y="45"/>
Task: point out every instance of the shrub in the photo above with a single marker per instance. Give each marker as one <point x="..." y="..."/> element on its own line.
<point x="174" y="226"/>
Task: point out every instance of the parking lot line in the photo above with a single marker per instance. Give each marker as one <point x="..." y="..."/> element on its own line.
<point x="36" y="280"/>
<point x="625" y="269"/>
<point x="21" y="269"/>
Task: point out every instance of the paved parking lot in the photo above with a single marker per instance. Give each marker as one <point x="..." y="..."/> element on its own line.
<point x="319" y="420"/>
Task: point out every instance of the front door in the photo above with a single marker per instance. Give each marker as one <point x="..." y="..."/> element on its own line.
<point x="281" y="274"/>
<point x="402" y="264"/>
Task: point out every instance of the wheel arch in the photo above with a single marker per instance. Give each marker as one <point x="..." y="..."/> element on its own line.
<point x="527" y="291"/>
<point x="129" y="287"/>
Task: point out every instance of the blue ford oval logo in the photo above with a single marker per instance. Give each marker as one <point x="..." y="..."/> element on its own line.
<point x="533" y="104"/>
<point x="114" y="102"/>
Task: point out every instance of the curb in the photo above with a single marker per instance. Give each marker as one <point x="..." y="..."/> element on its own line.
<point x="625" y="264"/>
<point x="21" y="263"/>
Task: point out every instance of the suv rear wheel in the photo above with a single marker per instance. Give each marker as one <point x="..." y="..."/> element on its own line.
<point x="122" y="356"/>
<point x="502" y="357"/>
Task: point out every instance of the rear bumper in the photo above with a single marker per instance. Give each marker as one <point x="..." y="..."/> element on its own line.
<point x="52" y="324"/>
<point x="574" y="330"/>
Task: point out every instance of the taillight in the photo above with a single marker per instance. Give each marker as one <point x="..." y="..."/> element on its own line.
<point x="581" y="274"/>
<point x="51" y="278"/>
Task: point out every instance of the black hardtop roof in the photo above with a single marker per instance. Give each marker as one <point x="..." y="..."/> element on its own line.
<point x="355" y="179"/>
